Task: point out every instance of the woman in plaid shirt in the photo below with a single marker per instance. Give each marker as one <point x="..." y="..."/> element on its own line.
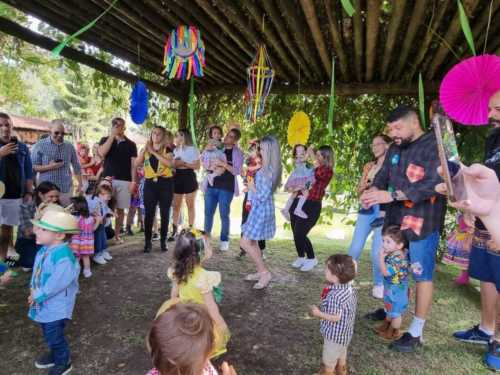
<point x="261" y="222"/>
<point x="301" y="227"/>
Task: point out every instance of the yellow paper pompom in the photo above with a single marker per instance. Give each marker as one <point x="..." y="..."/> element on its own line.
<point x="299" y="129"/>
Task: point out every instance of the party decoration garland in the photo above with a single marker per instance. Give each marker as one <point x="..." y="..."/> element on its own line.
<point x="347" y="5"/>
<point x="259" y="82"/>
<point x="421" y="99"/>
<point x="464" y="23"/>
<point x="139" y="103"/>
<point x="184" y="53"/>
<point x="299" y="128"/>
<point x="57" y="50"/>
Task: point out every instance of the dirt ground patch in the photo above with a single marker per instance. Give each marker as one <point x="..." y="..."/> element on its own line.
<point x="271" y="331"/>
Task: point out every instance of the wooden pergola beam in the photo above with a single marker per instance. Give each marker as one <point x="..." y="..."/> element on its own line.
<point x="425" y="44"/>
<point x="295" y="23"/>
<point x="235" y="16"/>
<point x="312" y="21"/>
<point x="453" y="32"/>
<point x="20" y="32"/>
<point x="358" y="41"/>
<point x="272" y="38"/>
<point x="392" y="32"/>
<point x="338" y="45"/>
<point x="372" y="27"/>
<point x="273" y="14"/>
<point x="416" y="20"/>
<point x="341" y="89"/>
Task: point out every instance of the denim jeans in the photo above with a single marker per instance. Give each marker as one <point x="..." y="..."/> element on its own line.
<point x="223" y="198"/>
<point x="359" y="237"/>
<point x="53" y="334"/>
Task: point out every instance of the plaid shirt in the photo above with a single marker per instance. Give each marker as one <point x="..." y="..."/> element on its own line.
<point x="339" y="299"/>
<point x="322" y="176"/>
<point x="46" y="151"/>
<point x="413" y="170"/>
<point x="26" y="214"/>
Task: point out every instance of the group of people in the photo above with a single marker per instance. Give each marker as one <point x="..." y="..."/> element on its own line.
<point x="402" y="201"/>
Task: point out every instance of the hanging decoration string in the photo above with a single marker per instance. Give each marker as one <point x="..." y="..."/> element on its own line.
<point x="57" y="50"/>
<point x="488" y="27"/>
<point x="421" y="99"/>
<point x="191" y="111"/>
<point x="464" y="23"/>
<point x="332" y="99"/>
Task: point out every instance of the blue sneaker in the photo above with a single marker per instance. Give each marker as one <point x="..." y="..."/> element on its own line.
<point x="473" y="336"/>
<point x="492" y="356"/>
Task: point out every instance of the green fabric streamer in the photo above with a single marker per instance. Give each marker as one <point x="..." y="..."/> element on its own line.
<point x="347" y="5"/>
<point x="421" y="99"/>
<point x="218" y="294"/>
<point x="191" y="111"/>
<point x="57" y="50"/>
<point x="464" y="22"/>
<point x="332" y="99"/>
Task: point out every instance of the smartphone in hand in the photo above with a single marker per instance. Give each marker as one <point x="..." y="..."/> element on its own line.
<point x="449" y="158"/>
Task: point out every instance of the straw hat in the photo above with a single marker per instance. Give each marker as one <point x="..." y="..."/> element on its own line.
<point x="2" y="189"/>
<point x="57" y="221"/>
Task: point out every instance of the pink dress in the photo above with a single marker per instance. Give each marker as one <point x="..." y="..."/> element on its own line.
<point x="208" y="370"/>
<point x="83" y="242"/>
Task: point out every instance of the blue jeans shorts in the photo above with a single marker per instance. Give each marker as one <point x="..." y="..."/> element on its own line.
<point x="395" y="299"/>
<point x="423" y="257"/>
<point x="484" y="259"/>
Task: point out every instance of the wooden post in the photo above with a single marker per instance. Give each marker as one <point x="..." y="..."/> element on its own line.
<point x="183" y="112"/>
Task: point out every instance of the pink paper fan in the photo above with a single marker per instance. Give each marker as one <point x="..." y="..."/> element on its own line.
<point x="467" y="88"/>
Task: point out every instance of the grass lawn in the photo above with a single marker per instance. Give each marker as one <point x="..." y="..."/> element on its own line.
<point x="271" y="331"/>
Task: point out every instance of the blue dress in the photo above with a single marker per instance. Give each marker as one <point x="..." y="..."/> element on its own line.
<point x="261" y="222"/>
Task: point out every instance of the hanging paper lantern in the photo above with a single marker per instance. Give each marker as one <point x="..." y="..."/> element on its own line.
<point x="184" y="53"/>
<point x="260" y="79"/>
<point x="139" y="103"/>
<point x="299" y="128"/>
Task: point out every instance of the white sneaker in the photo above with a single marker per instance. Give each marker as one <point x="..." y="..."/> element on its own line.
<point x="106" y="255"/>
<point x="378" y="291"/>
<point x="308" y="265"/>
<point x="299" y="262"/>
<point x="285" y="214"/>
<point x="26" y="269"/>
<point x="99" y="259"/>
<point x="87" y="273"/>
<point x="224" y="246"/>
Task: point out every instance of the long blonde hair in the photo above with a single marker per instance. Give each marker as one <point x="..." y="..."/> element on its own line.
<point x="271" y="159"/>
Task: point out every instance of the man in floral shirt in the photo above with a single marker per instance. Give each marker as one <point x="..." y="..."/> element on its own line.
<point x="405" y="183"/>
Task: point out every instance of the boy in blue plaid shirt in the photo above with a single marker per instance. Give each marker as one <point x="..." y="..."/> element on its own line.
<point x="337" y="312"/>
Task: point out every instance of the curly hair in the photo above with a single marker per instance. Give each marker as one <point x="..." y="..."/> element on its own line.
<point x="186" y="256"/>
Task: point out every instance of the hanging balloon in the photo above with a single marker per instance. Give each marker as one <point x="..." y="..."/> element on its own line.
<point x="184" y="53"/>
<point x="299" y="128"/>
<point x="260" y="79"/>
<point x="139" y="103"/>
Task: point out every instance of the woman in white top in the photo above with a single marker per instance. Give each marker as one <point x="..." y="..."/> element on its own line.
<point x="187" y="160"/>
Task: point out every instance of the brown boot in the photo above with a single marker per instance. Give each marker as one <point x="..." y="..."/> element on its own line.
<point x="341" y="369"/>
<point x="392" y="334"/>
<point x="383" y="327"/>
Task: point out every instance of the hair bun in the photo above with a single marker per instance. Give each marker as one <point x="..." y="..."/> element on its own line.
<point x="191" y="323"/>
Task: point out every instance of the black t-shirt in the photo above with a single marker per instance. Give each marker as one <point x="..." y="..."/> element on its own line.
<point x="118" y="161"/>
<point x="153" y="161"/>
<point x="226" y="180"/>
<point x="12" y="173"/>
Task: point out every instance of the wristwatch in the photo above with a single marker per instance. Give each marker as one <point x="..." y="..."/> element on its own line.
<point x="394" y="195"/>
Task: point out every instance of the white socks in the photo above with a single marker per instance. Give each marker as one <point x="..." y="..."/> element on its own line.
<point x="416" y="327"/>
<point x="487" y="331"/>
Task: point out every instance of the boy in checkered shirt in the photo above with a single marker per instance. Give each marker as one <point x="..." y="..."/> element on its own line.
<point x="337" y="313"/>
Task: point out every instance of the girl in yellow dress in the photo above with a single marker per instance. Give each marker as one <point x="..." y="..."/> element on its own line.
<point x="192" y="283"/>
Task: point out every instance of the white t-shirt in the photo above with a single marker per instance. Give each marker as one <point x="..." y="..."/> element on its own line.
<point x="188" y="154"/>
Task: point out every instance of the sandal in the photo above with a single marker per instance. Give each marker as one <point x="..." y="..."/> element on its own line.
<point x="252" y="277"/>
<point x="263" y="284"/>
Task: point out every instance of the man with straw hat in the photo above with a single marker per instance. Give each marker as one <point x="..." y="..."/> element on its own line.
<point x="54" y="285"/>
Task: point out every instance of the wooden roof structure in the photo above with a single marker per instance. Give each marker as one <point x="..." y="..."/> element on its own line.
<point x="380" y="49"/>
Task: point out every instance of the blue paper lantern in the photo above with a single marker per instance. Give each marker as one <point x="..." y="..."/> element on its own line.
<point x="139" y="103"/>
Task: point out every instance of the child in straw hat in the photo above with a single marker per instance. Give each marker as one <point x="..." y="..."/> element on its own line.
<point x="54" y="285"/>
